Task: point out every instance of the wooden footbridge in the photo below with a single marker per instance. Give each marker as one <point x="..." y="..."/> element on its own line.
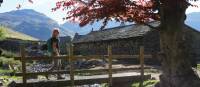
<point x="113" y="79"/>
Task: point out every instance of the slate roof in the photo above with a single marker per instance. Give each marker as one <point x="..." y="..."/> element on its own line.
<point x="120" y="32"/>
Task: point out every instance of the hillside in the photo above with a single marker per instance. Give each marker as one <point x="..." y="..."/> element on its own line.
<point x="32" y="23"/>
<point x="193" y="21"/>
<point x="9" y="33"/>
<point x="86" y="29"/>
<point x="38" y="25"/>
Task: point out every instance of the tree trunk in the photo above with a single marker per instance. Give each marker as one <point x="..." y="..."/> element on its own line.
<point x="177" y="70"/>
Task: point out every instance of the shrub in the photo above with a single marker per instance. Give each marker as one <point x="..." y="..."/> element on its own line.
<point x="9" y="62"/>
<point x="8" y="54"/>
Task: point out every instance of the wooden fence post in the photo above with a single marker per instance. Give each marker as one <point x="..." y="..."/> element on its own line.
<point x="110" y="65"/>
<point x="142" y="65"/>
<point x="71" y="65"/>
<point x="23" y="60"/>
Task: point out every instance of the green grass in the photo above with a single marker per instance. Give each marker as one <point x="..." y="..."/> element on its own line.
<point x="104" y="85"/>
<point x="5" y="71"/>
<point x="9" y="61"/>
<point x="148" y="83"/>
<point x="5" y="60"/>
<point x="8" y="54"/>
<point x="7" y="79"/>
<point x="198" y="66"/>
<point x="9" y="33"/>
<point x="2" y="34"/>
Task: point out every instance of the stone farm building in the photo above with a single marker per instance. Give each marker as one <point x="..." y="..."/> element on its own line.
<point x="127" y="39"/>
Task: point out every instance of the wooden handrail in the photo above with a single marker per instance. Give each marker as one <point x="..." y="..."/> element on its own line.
<point x="81" y="71"/>
<point x="42" y="57"/>
<point x="71" y="59"/>
<point x="81" y="57"/>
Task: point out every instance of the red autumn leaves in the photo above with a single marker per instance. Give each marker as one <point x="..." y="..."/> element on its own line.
<point x="88" y="11"/>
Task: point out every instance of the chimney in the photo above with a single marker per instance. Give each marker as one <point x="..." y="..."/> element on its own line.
<point x="122" y="24"/>
<point x="1" y="1"/>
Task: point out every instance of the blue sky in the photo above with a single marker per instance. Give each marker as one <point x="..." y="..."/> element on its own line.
<point x="44" y="6"/>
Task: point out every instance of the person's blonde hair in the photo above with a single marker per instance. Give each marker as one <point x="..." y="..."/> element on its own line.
<point x="54" y="31"/>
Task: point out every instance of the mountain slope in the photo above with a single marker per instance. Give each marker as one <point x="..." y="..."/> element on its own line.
<point x="9" y="33"/>
<point x="31" y="23"/>
<point x="40" y="26"/>
<point x="193" y="20"/>
<point x="86" y="29"/>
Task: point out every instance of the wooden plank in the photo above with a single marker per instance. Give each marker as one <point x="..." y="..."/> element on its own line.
<point x="45" y="73"/>
<point x="85" y="81"/>
<point x="81" y="57"/>
<point x="81" y="71"/>
<point x="142" y="65"/>
<point x="113" y="56"/>
<point x="71" y="65"/>
<point x="129" y="56"/>
<point x="110" y="65"/>
<point x="43" y="57"/>
<point x="90" y="56"/>
<point x="22" y="52"/>
<point x="60" y="57"/>
<point x="107" y="70"/>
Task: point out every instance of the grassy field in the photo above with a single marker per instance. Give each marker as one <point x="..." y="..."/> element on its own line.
<point x="198" y="67"/>
<point x="2" y="71"/>
<point x="7" y="79"/>
<point x="9" y="33"/>
<point x="7" y="75"/>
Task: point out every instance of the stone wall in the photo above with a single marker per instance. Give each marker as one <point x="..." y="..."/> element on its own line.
<point x="64" y="43"/>
<point x="10" y="45"/>
<point x="129" y="46"/>
<point x="151" y="42"/>
<point x="193" y="43"/>
<point x="13" y="45"/>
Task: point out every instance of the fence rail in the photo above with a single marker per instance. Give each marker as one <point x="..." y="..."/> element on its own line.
<point x="82" y="57"/>
<point x="71" y="58"/>
<point x="80" y="71"/>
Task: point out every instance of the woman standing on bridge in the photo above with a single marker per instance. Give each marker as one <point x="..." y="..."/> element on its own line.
<point x="53" y="49"/>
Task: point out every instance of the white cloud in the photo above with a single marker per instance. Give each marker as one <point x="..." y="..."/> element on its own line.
<point x="194" y="9"/>
<point x="45" y="6"/>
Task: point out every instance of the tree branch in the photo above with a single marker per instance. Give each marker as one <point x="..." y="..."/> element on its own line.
<point x="1" y="1"/>
<point x="82" y="2"/>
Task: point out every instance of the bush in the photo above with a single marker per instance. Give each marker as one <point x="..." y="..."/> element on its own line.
<point x="3" y="71"/>
<point x="7" y="79"/>
<point x="6" y="62"/>
<point x="198" y="66"/>
<point x="8" y="54"/>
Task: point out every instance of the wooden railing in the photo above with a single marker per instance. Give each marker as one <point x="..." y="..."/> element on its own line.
<point x="71" y="58"/>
